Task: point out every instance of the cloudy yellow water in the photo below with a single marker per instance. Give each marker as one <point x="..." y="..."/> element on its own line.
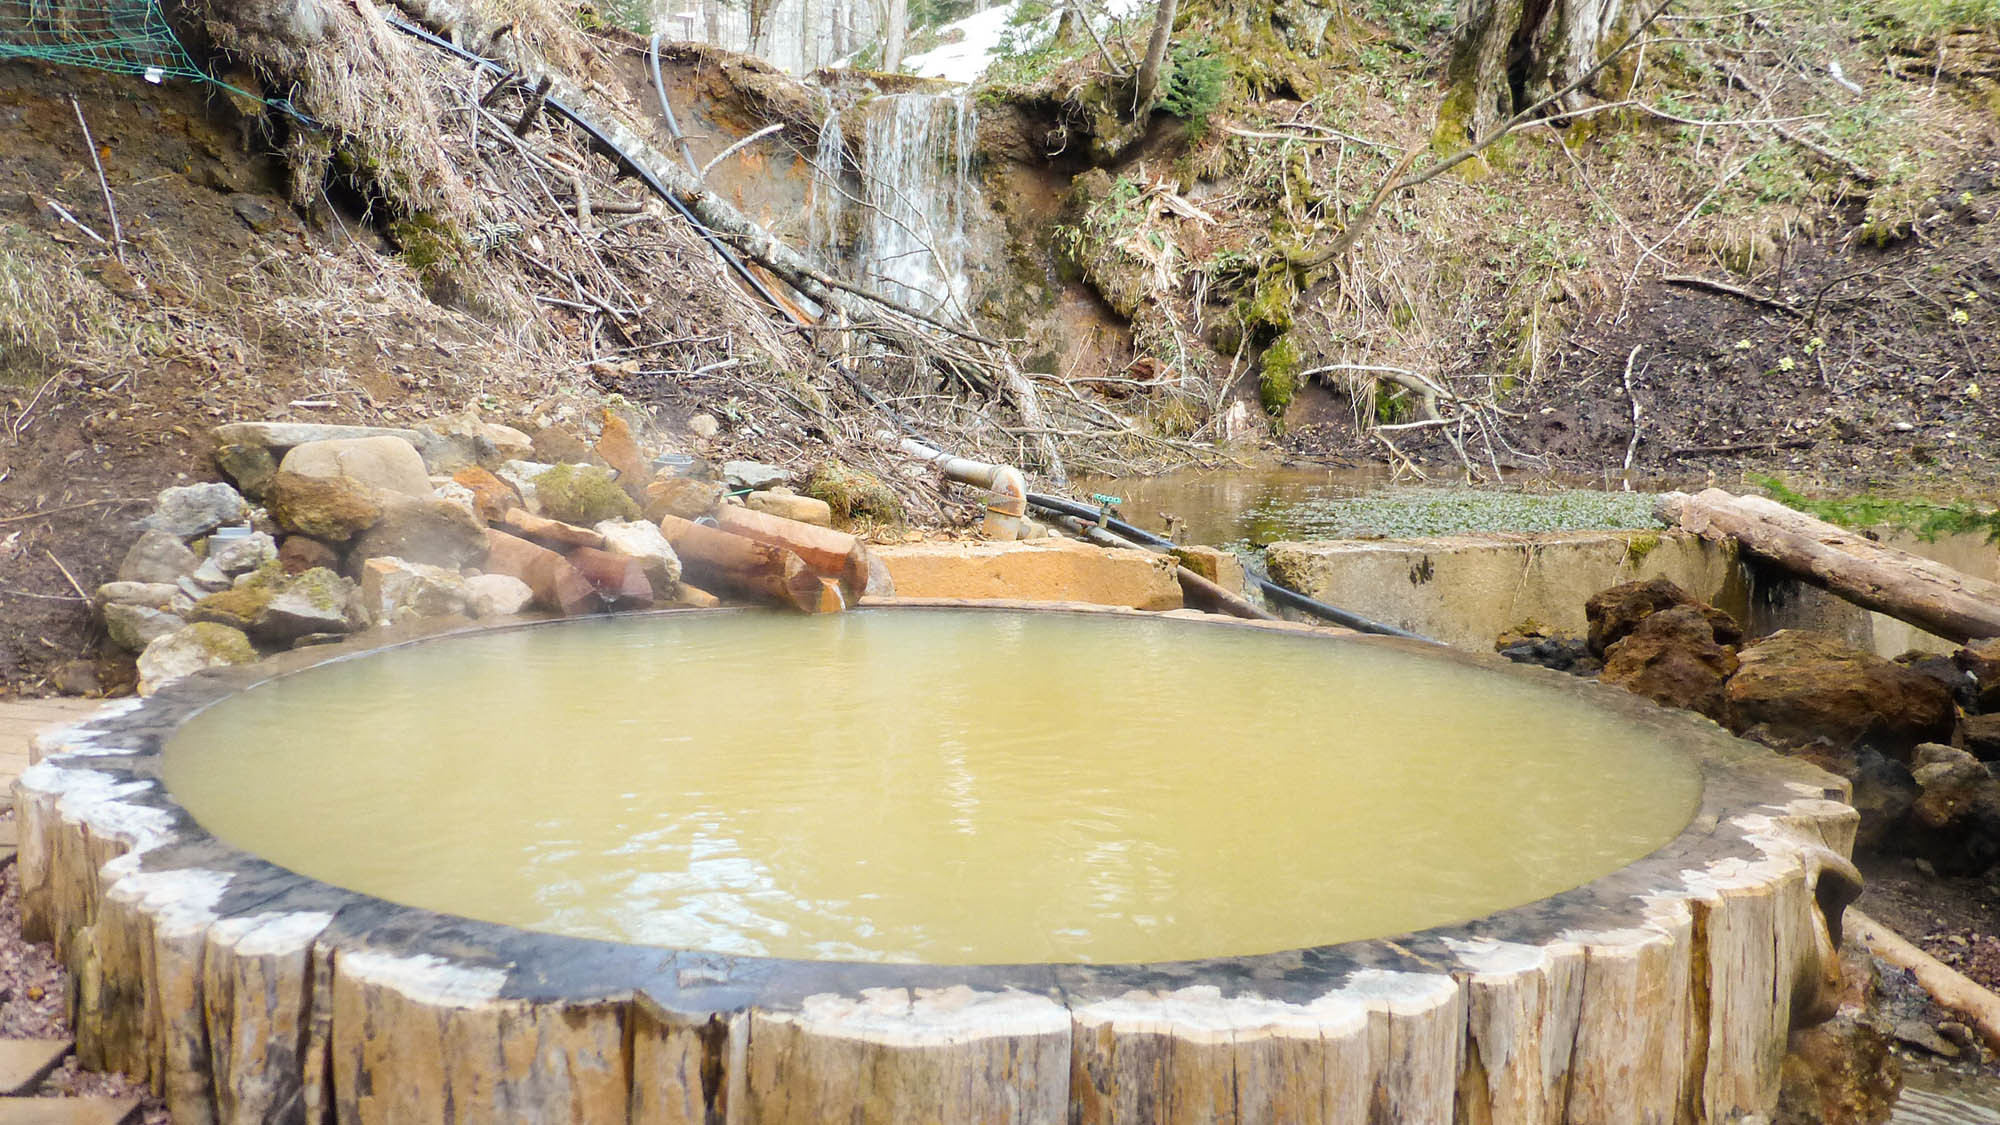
<point x="930" y="786"/>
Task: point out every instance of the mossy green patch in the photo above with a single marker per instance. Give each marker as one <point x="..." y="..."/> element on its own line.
<point x="235" y="608"/>
<point x="1926" y="519"/>
<point x="854" y="494"/>
<point x="1641" y="545"/>
<point x="1279" y="380"/>
<point x="583" y="495"/>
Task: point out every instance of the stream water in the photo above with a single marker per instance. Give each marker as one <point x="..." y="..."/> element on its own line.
<point x="949" y="787"/>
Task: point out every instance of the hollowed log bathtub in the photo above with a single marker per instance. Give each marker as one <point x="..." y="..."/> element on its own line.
<point x="1662" y="991"/>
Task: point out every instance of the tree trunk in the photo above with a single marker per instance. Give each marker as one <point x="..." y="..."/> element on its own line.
<point x="1156" y="54"/>
<point x="1929" y="595"/>
<point x="1510" y="54"/>
<point x="895" y="32"/>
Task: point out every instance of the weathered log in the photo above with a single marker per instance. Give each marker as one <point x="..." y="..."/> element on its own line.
<point x="1952" y="989"/>
<point x="834" y="554"/>
<point x="620" y="579"/>
<point x="1929" y="595"/>
<point x="553" y="534"/>
<point x="557" y="584"/>
<point x="714" y="559"/>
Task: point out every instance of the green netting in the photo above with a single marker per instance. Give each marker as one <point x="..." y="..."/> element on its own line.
<point x="121" y="36"/>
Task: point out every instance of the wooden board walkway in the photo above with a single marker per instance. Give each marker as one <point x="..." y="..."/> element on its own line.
<point x="20" y="719"/>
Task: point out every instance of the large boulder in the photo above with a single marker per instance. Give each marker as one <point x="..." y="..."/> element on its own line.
<point x="451" y="444"/>
<point x="313" y="603"/>
<point x="636" y="539"/>
<point x="1615" y="612"/>
<point x="1981" y="734"/>
<point x="1981" y="660"/>
<point x="133" y="627"/>
<point x="329" y="509"/>
<point x="394" y="589"/>
<point x="491" y="496"/>
<point x="152" y="595"/>
<point x="189" y="650"/>
<point x="582" y="494"/>
<point x="157" y="556"/>
<point x="1671" y="657"/>
<point x="1955" y="821"/>
<point x="618" y="449"/>
<point x="429" y="530"/>
<point x="300" y="553"/>
<point x="196" y="509"/>
<point x="1883" y="791"/>
<point x="250" y="466"/>
<point x="386" y="464"/>
<point x="684" y="497"/>
<point x="1794" y="686"/>
<point x="496" y="595"/>
<point x="753" y="475"/>
<point x="241" y="554"/>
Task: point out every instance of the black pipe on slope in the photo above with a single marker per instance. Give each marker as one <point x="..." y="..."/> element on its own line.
<point x="1280" y="594"/>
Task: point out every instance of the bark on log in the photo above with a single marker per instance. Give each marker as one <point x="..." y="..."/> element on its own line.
<point x="553" y="534"/>
<point x="714" y="559"/>
<point x="1929" y="595"/>
<point x="834" y="554"/>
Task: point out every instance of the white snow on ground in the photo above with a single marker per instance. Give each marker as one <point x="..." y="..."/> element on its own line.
<point x="967" y="59"/>
<point x="980" y="35"/>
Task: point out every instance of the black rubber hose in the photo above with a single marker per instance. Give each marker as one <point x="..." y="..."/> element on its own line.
<point x="640" y="170"/>
<point x="1270" y="589"/>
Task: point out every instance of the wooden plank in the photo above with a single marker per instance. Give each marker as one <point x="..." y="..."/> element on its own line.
<point x="25" y="1062"/>
<point x="68" y="1111"/>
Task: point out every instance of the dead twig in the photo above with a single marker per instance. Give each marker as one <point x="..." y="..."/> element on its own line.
<point x="73" y="583"/>
<point x="110" y="208"/>
<point x="1692" y="282"/>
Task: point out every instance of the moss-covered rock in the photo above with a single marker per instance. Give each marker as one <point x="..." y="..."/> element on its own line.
<point x="1279" y="380"/>
<point x="854" y="494"/>
<point x="235" y="608"/>
<point x="183" y="652"/>
<point x="583" y="495"/>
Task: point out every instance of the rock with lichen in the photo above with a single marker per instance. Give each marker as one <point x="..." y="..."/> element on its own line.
<point x="583" y="495"/>
<point x="184" y="652"/>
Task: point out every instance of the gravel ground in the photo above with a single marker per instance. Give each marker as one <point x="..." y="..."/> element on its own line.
<point x="31" y="1005"/>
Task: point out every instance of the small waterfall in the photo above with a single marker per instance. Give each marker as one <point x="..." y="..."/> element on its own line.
<point x="917" y="164"/>
<point x="829" y="199"/>
<point x="903" y="232"/>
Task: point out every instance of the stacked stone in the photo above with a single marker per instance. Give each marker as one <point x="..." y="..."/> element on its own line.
<point x="350" y="527"/>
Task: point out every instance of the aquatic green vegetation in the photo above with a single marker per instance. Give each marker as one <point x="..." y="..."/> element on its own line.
<point x="1400" y="512"/>
<point x="1927" y="519"/>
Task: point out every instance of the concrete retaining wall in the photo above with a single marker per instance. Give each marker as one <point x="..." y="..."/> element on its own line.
<point x="1465" y="590"/>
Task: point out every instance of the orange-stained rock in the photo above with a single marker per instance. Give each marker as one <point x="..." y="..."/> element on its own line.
<point x="684" y="497"/>
<point x="621" y="452"/>
<point x="1041" y="570"/>
<point x="620" y="579"/>
<point x="557" y="584"/>
<point x="491" y="496"/>
<point x="549" y="533"/>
